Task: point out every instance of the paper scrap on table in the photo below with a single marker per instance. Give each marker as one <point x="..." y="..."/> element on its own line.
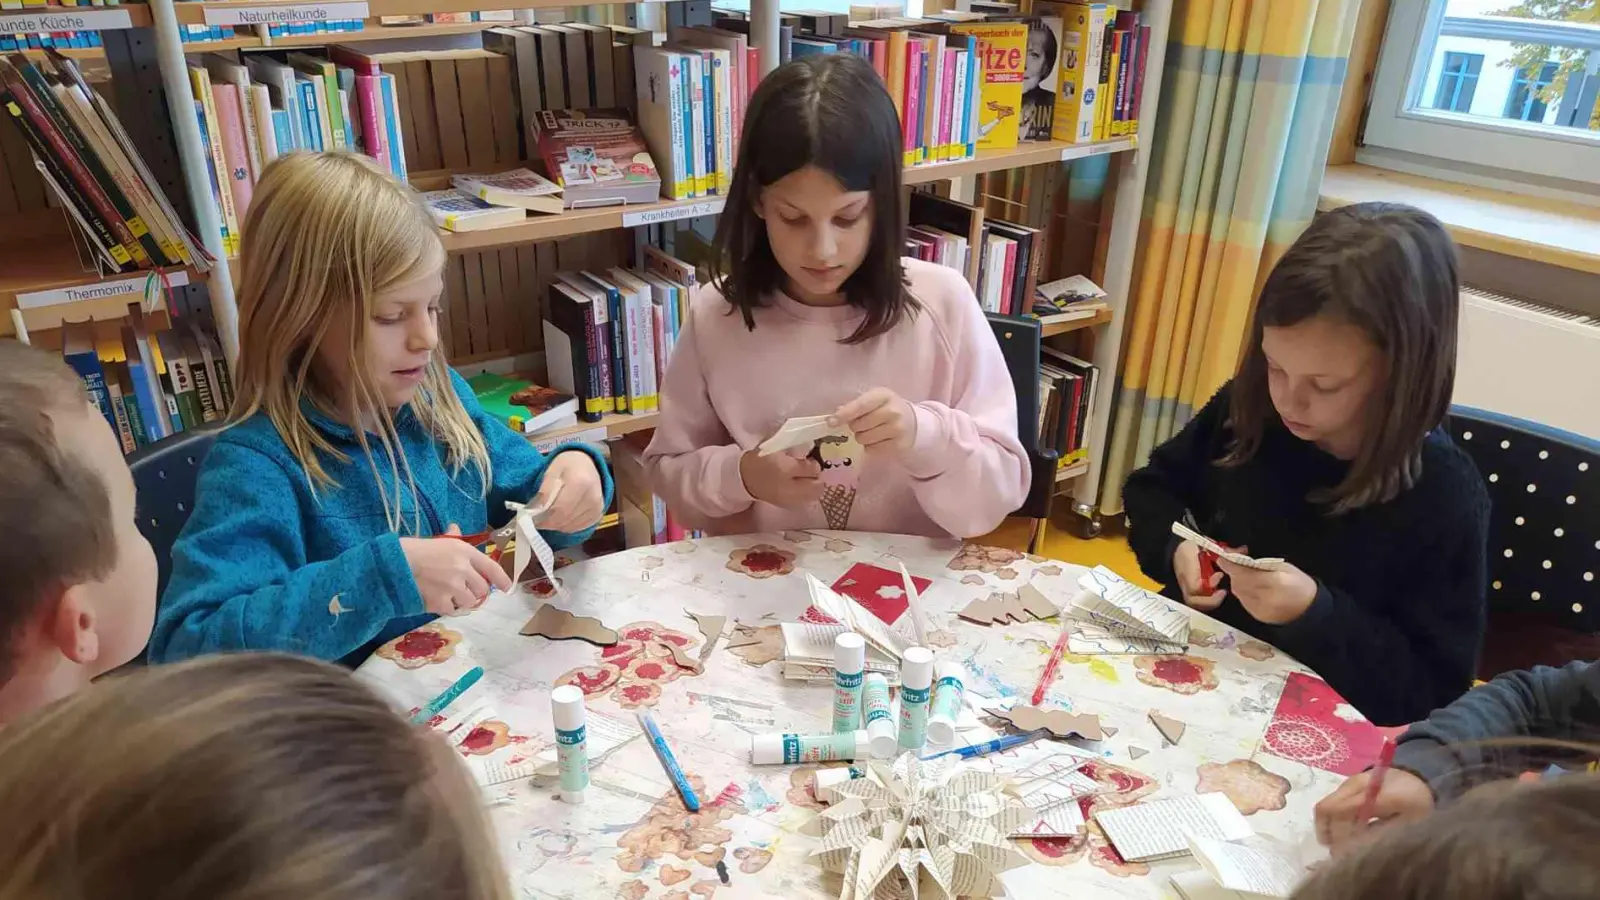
<point x="1145" y="832"/>
<point x="1247" y="870"/>
<point x="1091" y="640"/>
<point x="851" y="614"/>
<point x="1051" y="787"/>
<point x="602" y="734"/>
<point x="1120" y="607"/>
<point x="488" y="773"/>
<point x="1239" y="559"/>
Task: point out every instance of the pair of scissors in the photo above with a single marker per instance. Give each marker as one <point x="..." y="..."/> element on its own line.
<point x="475" y="539"/>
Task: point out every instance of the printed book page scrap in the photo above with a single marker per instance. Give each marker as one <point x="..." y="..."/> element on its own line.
<point x="1238" y="559"/>
<point x="1161" y="829"/>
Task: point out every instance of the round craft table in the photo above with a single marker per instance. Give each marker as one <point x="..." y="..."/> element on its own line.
<point x="632" y="837"/>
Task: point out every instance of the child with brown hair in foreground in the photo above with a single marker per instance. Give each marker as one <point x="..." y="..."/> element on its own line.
<point x="245" y="776"/>
<point x="77" y="579"/>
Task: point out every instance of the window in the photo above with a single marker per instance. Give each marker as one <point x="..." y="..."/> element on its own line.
<point x="1501" y="88"/>
<point x="1458" y="82"/>
<point x="1525" y="102"/>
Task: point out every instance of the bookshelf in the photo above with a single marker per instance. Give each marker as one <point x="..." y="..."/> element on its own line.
<point x="149" y="61"/>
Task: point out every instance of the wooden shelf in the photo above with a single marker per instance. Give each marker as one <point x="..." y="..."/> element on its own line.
<point x="1555" y="232"/>
<point x="584" y="221"/>
<point x="193" y="13"/>
<point x="53" y="264"/>
<point x="616" y="425"/>
<point x="1099" y="317"/>
<point x="1067" y="473"/>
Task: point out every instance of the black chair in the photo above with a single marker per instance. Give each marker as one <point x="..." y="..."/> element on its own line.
<point x="164" y="477"/>
<point x="1019" y="342"/>
<point x="1544" y="539"/>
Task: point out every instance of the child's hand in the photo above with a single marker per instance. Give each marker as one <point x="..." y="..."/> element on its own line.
<point x="782" y="479"/>
<point x="1404" y="797"/>
<point x="1276" y="597"/>
<point x="881" y="419"/>
<point x="452" y="576"/>
<point x="572" y="493"/>
<point x="1196" y="593"/>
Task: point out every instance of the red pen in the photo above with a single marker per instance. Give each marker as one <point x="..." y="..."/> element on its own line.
<point x="1369" y="803"/>
<point x="1050" y="666"/>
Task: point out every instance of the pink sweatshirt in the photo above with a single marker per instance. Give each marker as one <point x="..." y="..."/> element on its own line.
<point x="728" y="389"/>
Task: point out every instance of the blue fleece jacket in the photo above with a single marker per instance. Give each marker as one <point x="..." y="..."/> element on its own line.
<point x="265" y="564"/>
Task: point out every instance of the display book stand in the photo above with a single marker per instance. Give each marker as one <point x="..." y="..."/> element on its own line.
<point x="148" y="60"/>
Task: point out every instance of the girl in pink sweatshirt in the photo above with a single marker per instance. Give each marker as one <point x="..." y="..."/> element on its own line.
<point x="816" y="314"/>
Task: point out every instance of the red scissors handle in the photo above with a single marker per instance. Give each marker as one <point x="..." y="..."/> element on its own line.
<point x="481" y="537"/>
<point x="1208" y="567"/>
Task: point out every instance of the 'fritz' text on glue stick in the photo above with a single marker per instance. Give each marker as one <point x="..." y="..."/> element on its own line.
<point x="572" y="748"/>
<point x="948" y="687"/>
<point x="849" y="658"/>
<point x="880" y="723"/>
<point x="788" y="749"/>
<point x="916" y="684"/>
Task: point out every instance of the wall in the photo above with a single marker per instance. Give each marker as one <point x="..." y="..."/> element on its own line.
<point x="1531" y="365"/>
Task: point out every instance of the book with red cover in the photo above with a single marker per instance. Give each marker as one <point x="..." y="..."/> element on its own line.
<point x="598" y="156"/>
<point x="231" y="122"/>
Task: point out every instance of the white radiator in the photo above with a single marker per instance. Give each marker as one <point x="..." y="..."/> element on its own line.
<point x="1531" y="361"/>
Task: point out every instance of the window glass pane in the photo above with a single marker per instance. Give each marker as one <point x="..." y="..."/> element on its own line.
<point x="1534" y="61"/>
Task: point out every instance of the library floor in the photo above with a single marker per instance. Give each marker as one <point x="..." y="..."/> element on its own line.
<point x="1110" y="549"/>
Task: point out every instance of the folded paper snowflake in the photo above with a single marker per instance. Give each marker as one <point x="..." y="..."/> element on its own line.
<point x="920" y="829"/>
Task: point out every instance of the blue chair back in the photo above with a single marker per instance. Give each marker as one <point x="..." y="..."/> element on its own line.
<point x="164" y="476"/>
<point x="1544" y="539"/>
<point x="1019" y="340"/>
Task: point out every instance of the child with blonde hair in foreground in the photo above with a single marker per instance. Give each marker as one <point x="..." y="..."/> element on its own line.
<point x="238" y="777"/>
<point x="351" y="445"/>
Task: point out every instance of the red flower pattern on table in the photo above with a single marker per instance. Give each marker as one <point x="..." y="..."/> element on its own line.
<point x="761" y="561"/>
<point x="432" y="643"/>
<point x="634" y="669"/>
<point x="1180" y="674"/>
<point x="1118" y="787"/>
<point x="1250" y="787"/>
<point x="996" y="561"/>
<point x="1054" y="851"/>
<point x="487" y="737"/>
<point x="1104" y="856"/>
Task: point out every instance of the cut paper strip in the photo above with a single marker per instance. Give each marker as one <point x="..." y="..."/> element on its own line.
<point x="1239" y="559"/>
<point x="1058" y="722"/>
<point x="680" y="656"/>
<point x="854" y="617"/>
<point x="998" y="609"/>
<point x="710" y="628"/>
<point x="799" y="432"/>
<point x="531" y="544"/>
<point x="1170" y="728"/>
<point x="559" y="625"/>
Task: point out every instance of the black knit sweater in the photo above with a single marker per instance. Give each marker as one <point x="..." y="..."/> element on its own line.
<point x="1399" y="614"/>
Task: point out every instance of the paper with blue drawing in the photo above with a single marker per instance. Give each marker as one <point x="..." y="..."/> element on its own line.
<point x="1113" y="616"/>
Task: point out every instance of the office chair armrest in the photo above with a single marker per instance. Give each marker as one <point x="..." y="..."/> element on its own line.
<point x="1042" y="464"/>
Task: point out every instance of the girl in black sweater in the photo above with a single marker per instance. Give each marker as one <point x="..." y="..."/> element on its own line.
<point x="1327" y="450"/>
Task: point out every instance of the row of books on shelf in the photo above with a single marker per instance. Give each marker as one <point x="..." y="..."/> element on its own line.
<point x="65" y="40"/>
<point x="92" y="167"/>
<point x="1000" y="259"/>
<point x="274" y="103"/>
<point x="645" y="517"/>
<point x="193" y="34"/>
<point x="1066" y="404"/>
<point x="150" y="384"/>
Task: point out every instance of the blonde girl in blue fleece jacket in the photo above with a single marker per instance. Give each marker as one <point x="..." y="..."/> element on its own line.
<point x="351" y="444"/>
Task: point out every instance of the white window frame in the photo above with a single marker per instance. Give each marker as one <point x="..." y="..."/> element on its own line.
<point x="1397" y="121"/>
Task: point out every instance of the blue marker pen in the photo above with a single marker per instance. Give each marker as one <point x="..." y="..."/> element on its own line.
<point x="669" y="762"/>
<point x="1003" y="742"/>
<point x="438" y="704"/>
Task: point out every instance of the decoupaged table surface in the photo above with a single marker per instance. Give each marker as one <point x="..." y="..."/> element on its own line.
<point x="632" y="837"/>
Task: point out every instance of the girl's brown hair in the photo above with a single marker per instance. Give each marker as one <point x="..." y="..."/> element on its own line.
<point x="238" y="777"/>
<point x="832" y="112"/>
<point x="1389" y="270"/>
<point x="1505" y="841"/>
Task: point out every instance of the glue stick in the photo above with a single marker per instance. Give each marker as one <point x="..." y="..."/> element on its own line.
<point x="946" y="706"/>
<point x="849" y="658"/>
<point x="788" y="749"/>
<point x="572" y="749"/>
<point x="875" y="707"/>
<point x="824" y="779"/>
<point x="916" y="680"/>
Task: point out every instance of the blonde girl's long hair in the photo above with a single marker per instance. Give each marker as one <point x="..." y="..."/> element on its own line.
<point x="247" y="776"/>
<point x="325" y="235"/>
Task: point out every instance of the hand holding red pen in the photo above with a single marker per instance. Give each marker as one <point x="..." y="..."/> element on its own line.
<point x="1369" y="802"/>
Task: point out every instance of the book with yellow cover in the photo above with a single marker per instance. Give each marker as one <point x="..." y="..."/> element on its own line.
<point x="1004" y="48"/>
<point x="1078" y="70"/>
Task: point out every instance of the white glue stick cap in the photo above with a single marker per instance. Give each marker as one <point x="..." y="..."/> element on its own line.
<point x="882" y="738"/>
<point x="849" y="653"/>
<point x="916" y="669"/>
<point x="827" y="778"/>
<point x="566" y="706"/>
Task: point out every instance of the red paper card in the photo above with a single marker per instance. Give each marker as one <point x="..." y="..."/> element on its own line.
<point x="1316" y="726"/>
<point x="879" y="590"/>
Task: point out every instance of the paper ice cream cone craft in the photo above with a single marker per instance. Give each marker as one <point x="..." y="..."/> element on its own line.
<point x="836" y="502"/>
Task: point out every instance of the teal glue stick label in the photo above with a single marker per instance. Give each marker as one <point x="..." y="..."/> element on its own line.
<point x="946" y="698"/>
<point x="846" y="701"/>
<point x="914" y="717"/>
<point x="572" y="758"/>
<point x="809" y="748"/>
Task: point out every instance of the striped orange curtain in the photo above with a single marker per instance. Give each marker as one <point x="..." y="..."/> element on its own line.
<point x="1247" y="111"/>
